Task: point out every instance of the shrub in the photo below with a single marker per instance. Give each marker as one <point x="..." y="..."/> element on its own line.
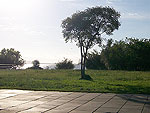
<point x="36" y="65"/>
<point x="65" y="64"/>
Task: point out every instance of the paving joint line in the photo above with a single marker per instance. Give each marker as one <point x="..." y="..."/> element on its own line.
<point x="144" y="105"/>
<point x="40" y="104"/>
<point x="63" y="103"/>
<point x="26" y="102"/>
<point x="103" y="104"/>
<point x="124" y="104"/>
<point x="84" y="103"/>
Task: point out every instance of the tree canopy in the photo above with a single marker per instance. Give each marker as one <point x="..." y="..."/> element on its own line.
<point x="65" y="64"/>
<point x="129" y="54"/>
<point x="87" y="27"/>
<point x="10" y="58"/>
<point x="36" y="65"/>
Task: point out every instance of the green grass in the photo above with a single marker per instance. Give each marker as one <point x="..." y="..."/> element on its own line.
<point x="134" y="82"/>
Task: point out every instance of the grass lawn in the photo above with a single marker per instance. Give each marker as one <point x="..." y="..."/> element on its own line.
<point x="68" y="80"/>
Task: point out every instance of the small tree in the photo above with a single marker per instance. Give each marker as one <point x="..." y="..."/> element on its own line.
<point x="36" y="63"/>
<point x="87" y="27"/>
<point x="10" y="58"/>
<point x="65" y="64"/>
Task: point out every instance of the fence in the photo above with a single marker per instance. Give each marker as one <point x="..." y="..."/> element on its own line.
<point x="7" y="66"/>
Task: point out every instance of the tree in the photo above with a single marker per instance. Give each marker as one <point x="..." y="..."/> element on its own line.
<point x="128" y="54"/>
<point x="94" y="61"/>
<point x="10" y="58"/>
<point x="65" y="64"/>
<point x="87" y="27"/>
<point x="36" y="65"/>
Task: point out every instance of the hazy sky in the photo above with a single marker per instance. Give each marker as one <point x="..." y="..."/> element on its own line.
<point x="33" y="26"/>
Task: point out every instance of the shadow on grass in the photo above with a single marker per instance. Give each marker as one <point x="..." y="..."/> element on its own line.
<point x="86" y="77"/>
<point x="128" y="89"/>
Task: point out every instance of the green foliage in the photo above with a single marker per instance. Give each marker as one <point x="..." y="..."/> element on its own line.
<point x="87" y="27"/>
<point x="10" y="58"/>
<point x="131" y="54"/>
<point x="94" y="61"/>
<point x="136" y="82"/>
<point x="65" y="64"/>
<point x="36" y="65"/>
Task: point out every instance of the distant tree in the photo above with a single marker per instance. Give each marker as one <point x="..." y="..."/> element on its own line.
<point x="94" y="61"/>
<point x="65" y="64"/>
<point x="36" y="65"/>
<point x="10" y="58"/>
<point x="87" y="27"/>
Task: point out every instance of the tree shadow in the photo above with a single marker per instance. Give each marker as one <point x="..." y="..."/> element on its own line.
<point x="86" y="77"/>
<point x="137" y="94"/>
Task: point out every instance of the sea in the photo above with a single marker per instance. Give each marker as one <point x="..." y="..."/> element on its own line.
<point x="48" y="66"/>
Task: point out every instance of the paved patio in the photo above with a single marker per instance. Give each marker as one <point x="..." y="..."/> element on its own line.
<point x="20" y="101"/>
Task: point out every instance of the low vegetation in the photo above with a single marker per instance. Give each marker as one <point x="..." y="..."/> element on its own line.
<point x="65" y="64"/>
<point x="68" y="80"/>
<point x="129" y="54"/>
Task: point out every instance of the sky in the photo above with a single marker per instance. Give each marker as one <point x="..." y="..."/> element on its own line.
<point x="33" y="27"/>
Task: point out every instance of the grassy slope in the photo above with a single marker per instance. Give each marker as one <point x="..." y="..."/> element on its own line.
<point x="68" y="80"/>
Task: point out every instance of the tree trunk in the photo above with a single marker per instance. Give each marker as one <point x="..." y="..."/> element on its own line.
<point x="84" y="59"/>
<point x="82" y="66"/>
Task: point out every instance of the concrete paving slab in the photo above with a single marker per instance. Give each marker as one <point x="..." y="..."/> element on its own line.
<point x="21" y="101"/>
<point x="107" y="110"/>
<point x="133" y="110"/>
<point x="146" y="109"/>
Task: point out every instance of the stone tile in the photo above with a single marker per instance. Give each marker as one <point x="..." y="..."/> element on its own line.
<point x="113" y="105"/>
<point x="36" y="109"/>
<point x="46" y="106"/>
<point x="132" y="103"/>
<point x="101" y="99"/>
<point x="131" y="106"/>
<point x="78" y="101"/>
<point x="146" y="109"/>
<point x="124" y="96"/>
<point x="56" y="102"/>
<point x="47" y="99"/>
<point x="12" y="101"/>
<point x="107" y="95"/>
<point x="118" y="101"/>
<point x="88" y="96"/>
<point x="91" y="106"/>
<point x="66" y="107"/>
<point x="67" y="98"/>
<point x="29" y="112"/>
<point x="80" y="111"/>
<point x="131" y="110"/>
<point x="75" y="95"/>
<point x="7" y="111"/>
<point x="107" y="110"/>
<point x="56" y="111"/>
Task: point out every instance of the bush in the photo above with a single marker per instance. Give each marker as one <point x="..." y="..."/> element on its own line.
<point x="65" y="64"/>
<point x="131" y="54"/>
<point x="94" y="61"/>
<point x="36" y="65"/>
